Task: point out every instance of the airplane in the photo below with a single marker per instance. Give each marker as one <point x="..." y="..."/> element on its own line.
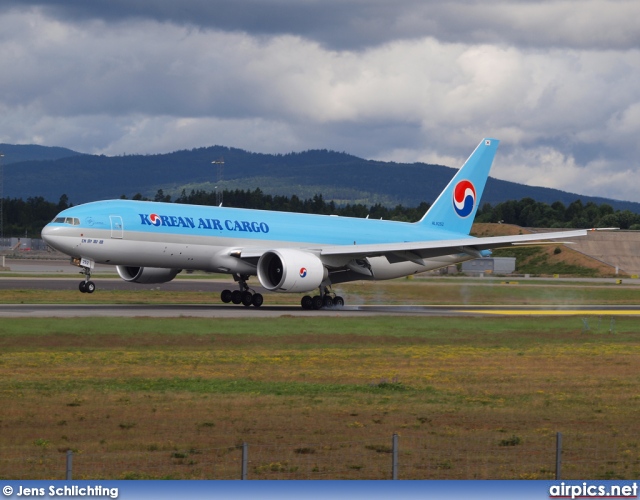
<point x="151" y="242"/>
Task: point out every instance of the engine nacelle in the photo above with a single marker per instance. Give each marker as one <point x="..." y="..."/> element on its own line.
<point x="290" y="270"/>
<point x="147" y="275"/>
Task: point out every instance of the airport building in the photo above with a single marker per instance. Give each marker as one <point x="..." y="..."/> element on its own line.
<point x="490" y="265"/>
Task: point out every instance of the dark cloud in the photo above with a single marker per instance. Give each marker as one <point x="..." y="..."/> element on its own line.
<point x="332" y="22"/>
<point x="357" y="24"/>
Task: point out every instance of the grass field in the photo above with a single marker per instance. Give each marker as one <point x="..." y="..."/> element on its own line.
<point x="321" y="397"/>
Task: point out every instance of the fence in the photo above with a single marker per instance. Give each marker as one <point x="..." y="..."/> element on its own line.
<point x="22" y="244"/>
<point x="569" y="456"/>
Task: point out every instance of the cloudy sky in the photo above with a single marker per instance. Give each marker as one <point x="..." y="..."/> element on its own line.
<point x="410" y="80"/>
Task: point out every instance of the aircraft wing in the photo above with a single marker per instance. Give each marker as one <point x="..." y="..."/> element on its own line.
<point x="415" y="251"/>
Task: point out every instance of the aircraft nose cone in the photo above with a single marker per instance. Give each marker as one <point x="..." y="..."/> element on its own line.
<point x="51" y="236"/>
<point x="46" y="233"/>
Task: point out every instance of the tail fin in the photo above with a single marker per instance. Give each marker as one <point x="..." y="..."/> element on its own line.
<point x="456" y="207"/>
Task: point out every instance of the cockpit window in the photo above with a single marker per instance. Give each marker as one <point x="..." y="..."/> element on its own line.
<point x="74" y="221"/>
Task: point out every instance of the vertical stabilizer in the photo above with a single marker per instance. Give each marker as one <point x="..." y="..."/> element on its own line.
<point x="456" y="207"/>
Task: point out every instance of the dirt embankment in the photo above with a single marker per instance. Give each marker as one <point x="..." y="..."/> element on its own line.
<point x="599" y="251"/>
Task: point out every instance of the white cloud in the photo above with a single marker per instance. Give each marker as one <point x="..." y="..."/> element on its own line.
<point x="568" y="115"/>
<point x="166" y="134"/>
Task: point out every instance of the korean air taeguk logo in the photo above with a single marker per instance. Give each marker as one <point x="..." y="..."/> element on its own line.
<point x="303" y="272"/>
<point x="155" y="219"/>
<point x="464" y="198"/>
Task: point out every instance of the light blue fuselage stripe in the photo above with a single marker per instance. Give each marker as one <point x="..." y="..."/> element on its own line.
<point x="258" y="225"/>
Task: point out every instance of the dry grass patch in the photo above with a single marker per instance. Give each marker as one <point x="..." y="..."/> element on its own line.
<point x="479" y="397"/>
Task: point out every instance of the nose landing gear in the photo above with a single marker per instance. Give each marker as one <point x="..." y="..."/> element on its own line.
<point x="86" y="286"/>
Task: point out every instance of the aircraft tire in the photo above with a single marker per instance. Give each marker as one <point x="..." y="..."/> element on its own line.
<point x="257" y="299"/>
<point x="317" y="302"/>
<point x="236" y="296"/>
<point x="225" y="296"/>
<point x="306" y="302"/>
<point x="82" y="287"/>
<point x="90" y="287"/>
<point x="338" y="301"/>
<point x="246" y="298"/>
<point x="327" y="302"/>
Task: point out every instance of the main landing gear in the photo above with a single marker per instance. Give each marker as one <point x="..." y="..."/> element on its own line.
<point x="326" y="300"/>
<point x="245" y="295"/>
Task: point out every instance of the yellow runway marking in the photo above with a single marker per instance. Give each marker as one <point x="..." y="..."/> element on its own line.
<point x="556" y="312"/>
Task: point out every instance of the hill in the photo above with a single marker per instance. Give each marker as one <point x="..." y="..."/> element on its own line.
<point x="337" y="176"/>
<point x="31" y="152"/>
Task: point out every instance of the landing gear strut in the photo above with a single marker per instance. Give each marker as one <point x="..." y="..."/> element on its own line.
<point x="245" y="295"/>
<point x="326" y="300"/>
<point x="87" y="286"/>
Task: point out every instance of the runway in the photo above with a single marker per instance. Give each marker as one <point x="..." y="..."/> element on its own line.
<point x="68" y="279"/>
<point x="233" y="311"/>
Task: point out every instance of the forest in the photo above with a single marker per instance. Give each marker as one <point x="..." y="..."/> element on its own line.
<point x="27" y="218"/>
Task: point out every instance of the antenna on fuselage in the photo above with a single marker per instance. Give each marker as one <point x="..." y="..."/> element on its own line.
<point x="220" y="164"/>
